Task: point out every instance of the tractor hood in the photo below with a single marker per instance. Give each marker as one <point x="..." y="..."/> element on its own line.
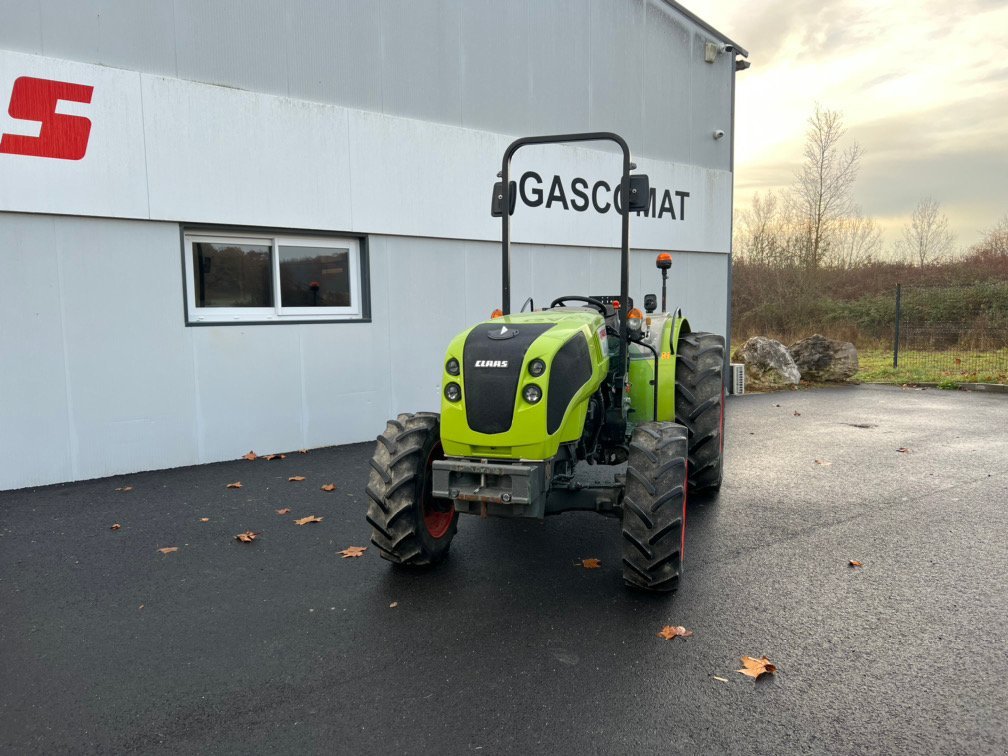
<point x="502" y="409"/>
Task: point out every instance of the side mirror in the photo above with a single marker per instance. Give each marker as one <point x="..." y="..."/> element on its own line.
<point x="497" y="203"/>
<point x="640" y="192"/>
<point x="650" y="303"/>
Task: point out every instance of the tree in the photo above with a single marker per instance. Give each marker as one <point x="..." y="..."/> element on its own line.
<point x="926" y="238"/>
<point x="858" y="241"/>
<point x="994" y="245"/>
<point x="823" y="185"/>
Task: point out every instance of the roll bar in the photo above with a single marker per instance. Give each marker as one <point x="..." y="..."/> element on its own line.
<point x="505" y="176"/>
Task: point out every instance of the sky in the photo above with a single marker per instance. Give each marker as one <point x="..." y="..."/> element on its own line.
<point x="922" y="86"/>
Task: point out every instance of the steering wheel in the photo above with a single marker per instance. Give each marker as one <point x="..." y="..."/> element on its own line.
<point x="598" y="304"/>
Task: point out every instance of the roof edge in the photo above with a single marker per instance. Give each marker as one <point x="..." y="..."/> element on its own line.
<point x="735" y="46"/>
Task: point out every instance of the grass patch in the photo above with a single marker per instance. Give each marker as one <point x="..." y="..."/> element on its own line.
<point x="933" y="367"/>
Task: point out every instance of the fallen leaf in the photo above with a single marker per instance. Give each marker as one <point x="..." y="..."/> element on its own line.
<point x="247" y="537"/>
<point x="720" y="679"/>
<point x="295" y="478"/>
<point x="797" y="413"/>
<point x="353" y="551"/>
<point x="823" y="462"/>
<point x="669" y="632"/>
<point x="590" y="564"/>
<point x="393" y="605"/>
<point x="236" y="484"/>
<point x="271" y="457"/>
<point x="125" y="489"/>
<point x="854" y="563"/>
<point x="756" y="668"/>
<point x="141" y="606"/>
<point x="329" y="487"/>
<point x="903" y="450"/>
<point x="250" y="456"/>
<point x="115" y="526"/>
<point x="776" y="405"/>
<point x="204" y="519"/>
<point x="283" y="511"/>
<point x="168" y="549"/>
<point x="307" y="520"/>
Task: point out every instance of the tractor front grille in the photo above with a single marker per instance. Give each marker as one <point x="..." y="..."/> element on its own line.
<point x="490" y="390"/>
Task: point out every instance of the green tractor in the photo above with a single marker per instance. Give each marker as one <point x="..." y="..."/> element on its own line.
<point x="586" y="405"/>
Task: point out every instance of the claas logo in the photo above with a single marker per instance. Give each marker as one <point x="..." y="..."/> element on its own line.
<point x="61" y="136"/>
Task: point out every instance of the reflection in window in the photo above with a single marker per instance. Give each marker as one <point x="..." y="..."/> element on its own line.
<point x="314" y="277"/>
<point x="232" y="275"/>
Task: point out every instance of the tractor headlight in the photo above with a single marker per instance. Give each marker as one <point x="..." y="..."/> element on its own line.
<point x="635" y="324"/>
<point x="453" y="392"/>
<point x="536" y="368"/>
<point x="532" y="393"/>
<point x="452" y="366"/>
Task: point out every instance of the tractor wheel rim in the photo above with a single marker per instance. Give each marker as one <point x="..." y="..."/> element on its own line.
<point x="436" y="521"/>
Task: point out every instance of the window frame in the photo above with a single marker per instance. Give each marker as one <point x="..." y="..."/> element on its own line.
<point x="274" y="239"/>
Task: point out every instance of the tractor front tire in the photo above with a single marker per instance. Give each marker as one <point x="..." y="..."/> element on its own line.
<point x="654" y="507"/>
<point x="699" y="405"/>
<point x="410" y="526"/>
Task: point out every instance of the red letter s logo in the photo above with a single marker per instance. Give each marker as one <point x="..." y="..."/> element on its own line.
<point x="64" y="137"/>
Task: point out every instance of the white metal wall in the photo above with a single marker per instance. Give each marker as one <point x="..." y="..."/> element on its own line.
<point x="513" y="67"/>
<point x="387" y="118"/>
<point x="100" y="376"/>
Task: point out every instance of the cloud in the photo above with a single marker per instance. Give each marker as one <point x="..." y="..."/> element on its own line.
<point x="921" y="85"/>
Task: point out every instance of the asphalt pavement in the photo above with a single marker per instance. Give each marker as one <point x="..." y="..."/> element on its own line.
<point x="108" y="645"/>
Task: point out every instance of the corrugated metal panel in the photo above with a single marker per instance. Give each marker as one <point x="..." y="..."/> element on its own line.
<point x="34" y="417"/>
<point x="515" y="67"/>
<point x="21" y="29"/>
<point x="420" y="272"/>
<point x="237" y="43"/>
<point x="666" y="85"/>
<point x="496" y="70"/>
<point x="249" y="387"/>
<point x="99" y="394"/>
<point x="420" y="51"/>
<point x="482" y="280"/>
<point x="139" y="34"/>
<point x="128" y="360"/>
<point x="558" y="52"/>
<point x="290" y="168"/>
<point x="333" y="49"/>
<point x="70" y="30"/>
<point x="617" y="65"/>
<point x="710" y="107"/>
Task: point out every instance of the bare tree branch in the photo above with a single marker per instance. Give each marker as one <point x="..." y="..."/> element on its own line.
<point x="926" y="238"/>
<point x="822" y="192"/>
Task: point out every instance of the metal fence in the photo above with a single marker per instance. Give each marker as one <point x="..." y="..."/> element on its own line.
<point x="957" y="334"/>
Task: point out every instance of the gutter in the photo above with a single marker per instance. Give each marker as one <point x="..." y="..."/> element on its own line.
<point x="729" y="45"/>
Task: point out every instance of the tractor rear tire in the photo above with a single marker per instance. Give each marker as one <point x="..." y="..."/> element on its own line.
<point x="654" y="507"/>
<point x="699" y="405"/>
<point x="409" y="525"/>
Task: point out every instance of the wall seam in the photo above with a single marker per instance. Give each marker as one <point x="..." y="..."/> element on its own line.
<point x="143" y="130"/>
<point x="72" y="442"/>
<point x="198" y="404"/>
<point x="304" y="391"/>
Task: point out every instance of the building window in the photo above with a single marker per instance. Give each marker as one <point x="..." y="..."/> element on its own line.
<point x="234" y="278"/>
